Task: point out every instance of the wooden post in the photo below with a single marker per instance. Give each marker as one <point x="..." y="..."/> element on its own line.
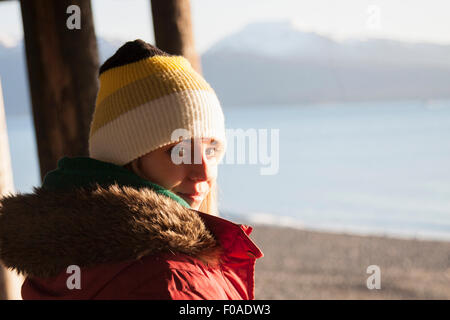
<point x="62" y="72"/>
<point x="172" y="26"/>
<point x="10" y="282"/>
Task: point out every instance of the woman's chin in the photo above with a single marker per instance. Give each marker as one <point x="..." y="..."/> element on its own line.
<point x="195" y="204"/>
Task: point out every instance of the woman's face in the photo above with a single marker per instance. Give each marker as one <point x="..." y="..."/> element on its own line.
<point x="187" y="168"/>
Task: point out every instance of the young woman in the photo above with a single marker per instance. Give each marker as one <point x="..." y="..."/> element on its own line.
<point x="138" y="218"/>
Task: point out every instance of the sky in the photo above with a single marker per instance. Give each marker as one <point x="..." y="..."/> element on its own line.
<point x="407" y="20"/>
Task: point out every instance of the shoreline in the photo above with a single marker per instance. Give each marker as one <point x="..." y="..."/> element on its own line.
<point x="310" y="264"/>
<point x="269" y="220"/>
<point x="356" y="232"/>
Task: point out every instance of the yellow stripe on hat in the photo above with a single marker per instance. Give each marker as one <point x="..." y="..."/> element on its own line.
<point x="145" y="90"/>
<point x="116" y="78"/>
<point x="164" y="76"/>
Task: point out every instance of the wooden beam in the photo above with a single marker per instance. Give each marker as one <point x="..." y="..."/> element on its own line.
<point x="62" y="73"/>
<point x="10" y="282"/>
<point x="172" y="25"/>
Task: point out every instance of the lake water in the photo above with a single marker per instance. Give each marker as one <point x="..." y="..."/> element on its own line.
<point x="366" y="168"/>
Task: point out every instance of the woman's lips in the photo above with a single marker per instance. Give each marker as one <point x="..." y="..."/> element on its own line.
<point x="194" y="197"/>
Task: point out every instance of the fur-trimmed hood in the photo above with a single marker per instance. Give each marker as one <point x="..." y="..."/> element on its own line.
<point x="43" y="232"/>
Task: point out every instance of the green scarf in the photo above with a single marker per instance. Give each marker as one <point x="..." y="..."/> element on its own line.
<point x="84" y="171"/>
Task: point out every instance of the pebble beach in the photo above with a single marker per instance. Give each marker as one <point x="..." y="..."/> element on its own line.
<point x="301" y="264"/>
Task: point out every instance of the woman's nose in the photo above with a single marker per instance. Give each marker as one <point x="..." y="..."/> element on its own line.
<point x="201" y="168"/>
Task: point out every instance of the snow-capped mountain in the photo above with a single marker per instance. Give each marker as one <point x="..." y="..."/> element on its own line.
<point x="7" y="41"/>
<point x="273" y="39"/>
<point x="274" y="63"/>
<point x="283" y="40"/>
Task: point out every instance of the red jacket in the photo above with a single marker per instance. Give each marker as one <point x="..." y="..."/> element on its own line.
<point x="128" y="243"/>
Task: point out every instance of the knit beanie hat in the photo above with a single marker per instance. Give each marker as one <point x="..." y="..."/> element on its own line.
<point x="145" y="94"/>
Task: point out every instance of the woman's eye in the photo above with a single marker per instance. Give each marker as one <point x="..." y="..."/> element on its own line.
<point x="213" y="151"/>
<point x="182" y="151"/>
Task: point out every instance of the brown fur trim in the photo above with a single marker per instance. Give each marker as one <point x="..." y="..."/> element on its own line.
<point x="44" y="232"/>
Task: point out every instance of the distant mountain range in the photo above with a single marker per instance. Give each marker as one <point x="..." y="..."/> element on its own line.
<point x="273" y="63"/>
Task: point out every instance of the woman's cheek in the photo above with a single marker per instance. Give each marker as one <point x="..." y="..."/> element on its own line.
<point x="173" y="174"/>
